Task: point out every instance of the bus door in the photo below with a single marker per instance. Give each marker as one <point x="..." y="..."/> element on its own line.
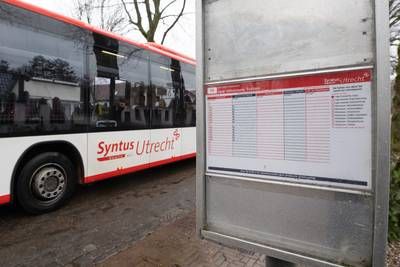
<point x="119" y="124"/>
<point x="166" y="134"/>
<point x="119" y="137"/>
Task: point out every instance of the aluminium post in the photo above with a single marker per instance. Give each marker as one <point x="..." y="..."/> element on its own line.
<point x="382" y="126"/>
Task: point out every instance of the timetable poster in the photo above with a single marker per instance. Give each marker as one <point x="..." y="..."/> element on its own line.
<point x="313" y="129"/>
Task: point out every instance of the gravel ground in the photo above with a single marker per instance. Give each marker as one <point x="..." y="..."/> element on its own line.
<point x="393" y="259"/>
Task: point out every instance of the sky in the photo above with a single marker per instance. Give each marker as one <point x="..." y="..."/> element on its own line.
<point x="181" y="38"/>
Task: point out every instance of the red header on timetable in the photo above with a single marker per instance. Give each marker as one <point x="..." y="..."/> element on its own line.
<point x="218" y="97"/>
<point x="325" y="79"/>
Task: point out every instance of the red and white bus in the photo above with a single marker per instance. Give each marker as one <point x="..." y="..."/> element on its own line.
<point x="79" y="105"/>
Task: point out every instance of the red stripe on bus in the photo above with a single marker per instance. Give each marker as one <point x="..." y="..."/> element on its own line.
<point x="112" y="157"/>
<point x="5" y="199"/>
<point x="42" y="11"/>
<point x="108" y="175"/>
<point x="170" y="50"/>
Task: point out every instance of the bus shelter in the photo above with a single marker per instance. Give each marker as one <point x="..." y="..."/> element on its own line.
<point x="294" y="128"/>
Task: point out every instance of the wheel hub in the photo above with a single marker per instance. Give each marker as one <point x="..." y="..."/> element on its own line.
<point x="48" y="182"/>
<point x="51" y="183"/>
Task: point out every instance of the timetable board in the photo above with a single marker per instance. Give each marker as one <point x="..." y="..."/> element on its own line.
<point x="312" y="129"/>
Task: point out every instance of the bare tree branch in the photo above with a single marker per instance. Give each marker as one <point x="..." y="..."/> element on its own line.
<point x="166" y="7"/>
<point x="148" y="11"/>
<point x="394" y="21"/>
<point x="174" y="23"/>
<point x="142" y="15"/>
<point x="139" y="18"/>
<point x="138" y="22"/>
<point x="102" y="13"/>
<point x="99" y="13"/>
<point x="174" y="16"/>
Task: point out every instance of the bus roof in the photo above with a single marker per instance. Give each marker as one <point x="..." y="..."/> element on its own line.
<point x="157" y="48"/>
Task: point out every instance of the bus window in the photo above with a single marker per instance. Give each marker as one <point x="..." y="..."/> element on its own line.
<point x="189" y="98"/>
<point x="119" y="104"/>
<point x="133" y="67"/>
<point x="119" y="96"/>
<point x="40" y="75"/>
<point x="166" y="95"/>
<point x="136" y="115"/>
<point x="103" y="100"/>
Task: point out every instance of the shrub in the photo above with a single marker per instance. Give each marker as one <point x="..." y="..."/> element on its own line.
<point x="394" y="208"/>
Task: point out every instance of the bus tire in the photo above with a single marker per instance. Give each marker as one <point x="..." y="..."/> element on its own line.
<point x="46" y="182"/>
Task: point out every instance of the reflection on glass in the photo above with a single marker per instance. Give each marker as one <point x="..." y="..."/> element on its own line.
<point x="41" y="64"/>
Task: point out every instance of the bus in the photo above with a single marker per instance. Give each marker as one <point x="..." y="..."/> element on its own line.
<point x="79" y="104"/>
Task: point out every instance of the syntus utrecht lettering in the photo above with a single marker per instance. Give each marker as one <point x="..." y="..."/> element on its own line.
<point x="108" y="151"/>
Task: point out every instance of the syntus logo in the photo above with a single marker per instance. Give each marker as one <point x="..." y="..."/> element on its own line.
<point x="121" y="149"/>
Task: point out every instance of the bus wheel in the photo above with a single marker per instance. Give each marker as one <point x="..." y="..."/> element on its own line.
<point x="45" y="182"/>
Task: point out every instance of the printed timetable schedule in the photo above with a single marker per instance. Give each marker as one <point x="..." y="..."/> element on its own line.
<point x="309" y="129"/>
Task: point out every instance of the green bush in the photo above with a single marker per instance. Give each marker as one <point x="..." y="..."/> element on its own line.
<point x="394" y="208"/>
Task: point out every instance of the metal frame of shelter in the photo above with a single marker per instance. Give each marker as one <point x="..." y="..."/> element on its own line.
<point x="377" y="197"/>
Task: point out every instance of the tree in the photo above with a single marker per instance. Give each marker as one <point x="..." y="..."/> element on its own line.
<point x="394" y="20"/>
<point x="4" y="65"/>
<point x="52" y="69"/>
<point x="394" y="23"/>
<point x="102" y="13"/>
<point x="63" y="71"/>
<point x="155" y="13"/>
<point x="394" y="207"/>
<point x="151" y="18"/>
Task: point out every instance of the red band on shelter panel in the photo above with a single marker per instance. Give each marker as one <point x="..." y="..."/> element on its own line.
<point x="348" y="77"/>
